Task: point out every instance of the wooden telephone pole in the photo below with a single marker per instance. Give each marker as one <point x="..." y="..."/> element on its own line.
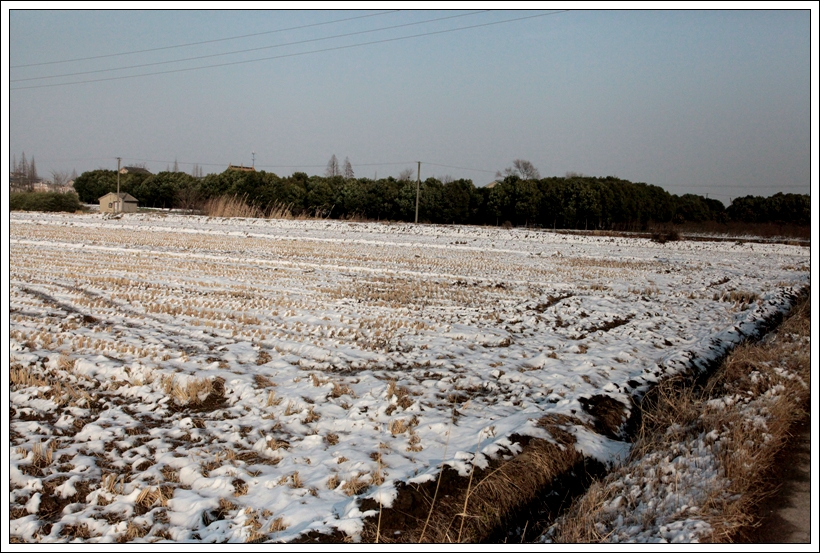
<point x="418" y="183"/>
<point x="118" y="185"/>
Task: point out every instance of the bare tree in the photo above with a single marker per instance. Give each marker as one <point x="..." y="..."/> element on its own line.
<point x="189" y="197"/>
<point x="521" y="168"/>
<point x="406" y="174"/>
<point x="332" y="167"/>
<point x="23" y="172"/>
<point x="348" y="170"/>
<point x="446" y="179"/>
<point x="59" y="178"/>
<point x="32" y="173"/>
<point x="527" y="169"/>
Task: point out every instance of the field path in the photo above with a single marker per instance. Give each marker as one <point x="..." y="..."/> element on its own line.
<point x="787" y="514"/>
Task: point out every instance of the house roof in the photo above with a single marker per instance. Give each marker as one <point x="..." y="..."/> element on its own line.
<point x="135" y="170"/>
<point x="123" y="196"/>
<point x="240" y="168"/>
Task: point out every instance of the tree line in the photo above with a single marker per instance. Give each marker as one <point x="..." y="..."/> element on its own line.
<point x="23" y="175"/>
<point x="520" y="198"/>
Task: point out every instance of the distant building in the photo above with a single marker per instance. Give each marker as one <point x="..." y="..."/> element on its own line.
<point x="127" y="203"/>
<point x="240" y="168"/>
<point x="493" y="184"/>
<point x="135" y="171"/>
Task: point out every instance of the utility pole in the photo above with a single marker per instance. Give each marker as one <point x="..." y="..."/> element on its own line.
<point x="118" y="184"/>
<point x="418" y="184"/>
<point x="253" y="160"/>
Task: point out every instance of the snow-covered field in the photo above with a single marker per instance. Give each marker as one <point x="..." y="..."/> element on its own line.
<point x="195" y="379"/>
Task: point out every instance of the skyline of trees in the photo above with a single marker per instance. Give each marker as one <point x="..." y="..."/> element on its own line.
<point x="571" y="202"/>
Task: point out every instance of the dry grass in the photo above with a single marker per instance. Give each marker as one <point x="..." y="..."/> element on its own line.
<point x="43" y="456"/>
<point x="767" y="381"/>
<point x="237" y="206"/>
<point x="194" y="392"/>
<point x="354" y="485"/>
<point x="333" y="482"/>
<point x="151" y="497"/>
<point x="466" y="510"/>
<point x="26" y="377"/>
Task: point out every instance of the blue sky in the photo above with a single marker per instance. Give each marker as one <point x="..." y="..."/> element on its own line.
<point x="696" y="101"/>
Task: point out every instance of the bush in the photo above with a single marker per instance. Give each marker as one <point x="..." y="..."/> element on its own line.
<point x="664" y="236"/>
<point x="44" y="201"/>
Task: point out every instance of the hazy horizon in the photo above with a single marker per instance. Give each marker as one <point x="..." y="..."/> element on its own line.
<point x="707" y="102"/>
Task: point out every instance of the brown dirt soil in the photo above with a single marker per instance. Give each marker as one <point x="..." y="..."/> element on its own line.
<point x="785" y="516"/>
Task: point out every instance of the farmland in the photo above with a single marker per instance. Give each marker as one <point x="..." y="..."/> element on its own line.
<point x="205" y="379"/>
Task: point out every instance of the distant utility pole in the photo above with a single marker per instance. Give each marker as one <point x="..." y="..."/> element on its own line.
<point x="118" y="184"/>
<point x="253" y="159"/>
<point x="418" y="183"/>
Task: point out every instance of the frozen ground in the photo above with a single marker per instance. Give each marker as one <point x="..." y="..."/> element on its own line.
<point x="194" y="379"/>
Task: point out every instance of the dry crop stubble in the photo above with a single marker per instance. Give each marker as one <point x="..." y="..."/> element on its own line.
<point x="253" y="319"/>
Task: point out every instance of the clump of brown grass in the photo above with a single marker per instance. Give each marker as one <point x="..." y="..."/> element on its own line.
<point x="65" y="363"/>
<point x="240" y="487"/>
<point x="414" y="443"/>
<point x="254" y="526"/>
<point x="398" y="426"/>
<point x="402" y="394"/>
<point x="132" y="532"/>
<point x="341" y="390"/>
<point x="277" y="525"/>
<point x="312" y="416"/>
<point x="26" y="377"/>
<point x="149" y="497"/>
<point x="272" y="399"/>
<point x="275" y="444"/>
<point x="263" y="381"/>
<point x="193" y="393"/>
<point x="296" y="481"/>
<point x="354" y="485"/>
<point x="76" y="531"/>
<point x="42" y="457"/>
<point x="113" y="483"/>
<point x="333" y="482"/>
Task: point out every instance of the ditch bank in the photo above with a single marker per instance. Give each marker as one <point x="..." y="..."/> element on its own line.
<point x="519" y="493"/>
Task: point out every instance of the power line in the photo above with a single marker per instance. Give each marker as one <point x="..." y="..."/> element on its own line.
<point x="463" y="168"/>
<point x="262" y="166"/>
<point x="291" y="55"/>
<point x="243" y="51"/>
<point x="202" y="41"/>
<point x="720" y="186"/>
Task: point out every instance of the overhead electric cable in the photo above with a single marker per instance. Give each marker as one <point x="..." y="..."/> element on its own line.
<point x="260" y="166"/>
<point x="243" y="51"/>
<point x="463" y="168"/>
<point x="290" y="55"/>
<point x="202" y="41"/>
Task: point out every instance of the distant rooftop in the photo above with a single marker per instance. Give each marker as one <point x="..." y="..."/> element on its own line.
<point x="135" y="171"/>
